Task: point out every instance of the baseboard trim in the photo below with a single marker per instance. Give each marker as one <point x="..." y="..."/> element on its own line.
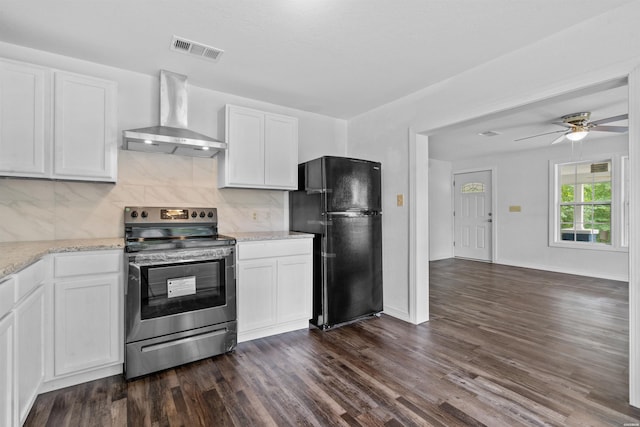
<point x="555" y="269"/>
<point x="398" y="314"/>
<point x="279" y="328"/>
<point x="83" y="377"/>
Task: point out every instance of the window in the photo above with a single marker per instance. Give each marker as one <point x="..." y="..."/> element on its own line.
<point x="472" y="187"/>
<point x="586" y="201"/>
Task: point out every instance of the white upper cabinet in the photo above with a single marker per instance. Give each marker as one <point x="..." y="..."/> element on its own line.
<point x="24" y="119"/>
<point x="281" y="151"/>
<point x="262" y="150"/>
<point x="245" y="155"/>
<point x="55" y="124"/>
<point x="85" y="142"/>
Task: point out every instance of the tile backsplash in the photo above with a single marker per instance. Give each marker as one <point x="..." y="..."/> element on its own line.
<point x="33" y="209"/>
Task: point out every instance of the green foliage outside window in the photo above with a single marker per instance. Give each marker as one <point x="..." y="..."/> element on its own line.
<point x="595" y="206"/>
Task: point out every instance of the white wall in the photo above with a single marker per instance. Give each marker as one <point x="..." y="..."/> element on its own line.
<point x="440" y="210"/>
<point x="532" y="73"/>
<point x="522" y="237"/>
<point x="46" y="210"/>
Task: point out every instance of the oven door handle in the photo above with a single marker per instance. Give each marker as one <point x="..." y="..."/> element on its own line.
<point x="160" y="263"/>
<point x="159" y="346"/>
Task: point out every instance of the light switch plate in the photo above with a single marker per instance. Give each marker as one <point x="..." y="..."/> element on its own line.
<point x="515" y="208"/>
<point x="400" y="200"/>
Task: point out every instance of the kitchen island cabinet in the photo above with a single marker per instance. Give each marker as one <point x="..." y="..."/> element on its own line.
<point x="57" y="125"/>
<point x="274" y="286"/>
<point x="262" y="150"/>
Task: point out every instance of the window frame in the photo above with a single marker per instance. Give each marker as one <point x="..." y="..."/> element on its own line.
<point x="624" y="202"/>
<point x="618" y="229"/>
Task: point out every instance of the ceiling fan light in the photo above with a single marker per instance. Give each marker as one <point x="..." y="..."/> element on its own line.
<point x="577" y="135"/>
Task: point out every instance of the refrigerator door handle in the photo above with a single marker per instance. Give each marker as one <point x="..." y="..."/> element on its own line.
<point x="354" y="213"/>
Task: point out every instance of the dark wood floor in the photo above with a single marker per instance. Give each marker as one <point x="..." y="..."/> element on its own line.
<point x="505" y="347"/>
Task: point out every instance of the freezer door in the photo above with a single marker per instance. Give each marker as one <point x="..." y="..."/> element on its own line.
<point x="351" y="185"/>
<point x="352" y="268"/>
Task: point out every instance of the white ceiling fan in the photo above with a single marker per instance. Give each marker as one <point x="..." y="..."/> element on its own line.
<point x="578" y="127"/>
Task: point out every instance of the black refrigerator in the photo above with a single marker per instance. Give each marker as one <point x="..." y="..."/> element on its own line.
<point x="339" y="201"/>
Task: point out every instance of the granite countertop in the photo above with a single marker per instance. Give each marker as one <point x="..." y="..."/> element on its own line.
<point x="14" y="256"/>
<point x="268" y="235"/>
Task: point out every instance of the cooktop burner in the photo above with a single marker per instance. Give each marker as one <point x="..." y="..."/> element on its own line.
<point x="159" y="228"/>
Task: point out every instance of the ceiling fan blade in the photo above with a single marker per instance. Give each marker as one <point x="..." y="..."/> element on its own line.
<point x="618" y="129"/>
<point x="610" y="119"/>
<point x="567" y="125"/>
<point x="559" y="139"/>
<point x="541" y="134"/>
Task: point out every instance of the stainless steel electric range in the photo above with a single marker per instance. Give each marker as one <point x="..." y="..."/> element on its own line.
<point x="180" y="295"/>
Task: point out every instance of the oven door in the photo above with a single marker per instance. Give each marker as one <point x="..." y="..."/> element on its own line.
<point x="178" y="291"/>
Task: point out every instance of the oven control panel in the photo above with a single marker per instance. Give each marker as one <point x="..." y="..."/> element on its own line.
<point x="154" y="215"/>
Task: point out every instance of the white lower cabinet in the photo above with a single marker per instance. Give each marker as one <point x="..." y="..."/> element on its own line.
<point x="86" y="324"/>
<point x="60" y="325"/>
<point x="294" y="289"/>
<point x="274" y="287"/>
<point x="256" y="295"/>
<point x="87" y="313"/>
<point x="29" y="351"/>
<point x="6" y="370"/>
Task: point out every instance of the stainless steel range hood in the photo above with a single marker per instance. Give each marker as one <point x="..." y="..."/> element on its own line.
<point x="172" y="136"/>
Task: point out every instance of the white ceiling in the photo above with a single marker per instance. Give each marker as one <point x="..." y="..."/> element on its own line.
<point x="334" y="57"/>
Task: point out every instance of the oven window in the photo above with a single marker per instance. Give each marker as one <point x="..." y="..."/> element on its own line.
<point x="181" y="287"/>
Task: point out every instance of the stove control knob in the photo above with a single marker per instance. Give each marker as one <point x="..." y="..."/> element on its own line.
<point x="134" y="214"/>
<point x="210" y="214"/>
<point x="202" y="214"/>
<point x="194" y="214"/>
<point x="144" y="214"/>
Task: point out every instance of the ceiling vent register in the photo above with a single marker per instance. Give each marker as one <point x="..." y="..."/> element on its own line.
<point x="180" y="44"/>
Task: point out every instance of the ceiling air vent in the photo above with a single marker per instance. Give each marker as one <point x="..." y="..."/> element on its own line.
<point x="180" y="44"/>
<point x="489" y="133"/>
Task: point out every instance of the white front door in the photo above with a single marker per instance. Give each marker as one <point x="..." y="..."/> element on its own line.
<point x="472" y="215"/>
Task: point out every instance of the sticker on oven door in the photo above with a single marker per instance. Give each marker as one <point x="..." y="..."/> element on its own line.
<point x="181" y="286"/>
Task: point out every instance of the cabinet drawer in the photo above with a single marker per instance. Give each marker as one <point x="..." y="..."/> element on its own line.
<point x="273" y="248"/>
<point x="82" y="264"/>
<point x="7" y="289"/>
<point x="30" y="278"/>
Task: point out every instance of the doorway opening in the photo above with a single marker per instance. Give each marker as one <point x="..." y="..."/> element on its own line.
<point x="632" y="91"/>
